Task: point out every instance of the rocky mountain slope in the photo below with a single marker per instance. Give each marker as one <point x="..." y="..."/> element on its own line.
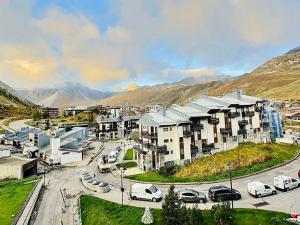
<point x="67" y="95"/>
<point x="278" y="78"/>
<point x="11" y="104"/>
<point x="165" y="94"/>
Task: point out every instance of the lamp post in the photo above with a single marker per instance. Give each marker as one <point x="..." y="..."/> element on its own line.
<point x="122" y="170"/>
<point x="230" y="178"/>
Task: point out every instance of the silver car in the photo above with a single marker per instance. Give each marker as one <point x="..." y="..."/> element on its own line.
<point x="192" y="196"/>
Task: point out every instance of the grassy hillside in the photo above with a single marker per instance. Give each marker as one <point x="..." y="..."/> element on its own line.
<point x="245" y="159"/>
<point x="12" y="196"/>
<point x="12" y="105"/>
<point x="278" y="78"/>
<point x="96" y="211"/>
<point x="166" y="94"/>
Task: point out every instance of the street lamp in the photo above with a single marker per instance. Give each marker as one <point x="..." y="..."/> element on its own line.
<point x="122" y="170"/>
<point x="230" y="178"/>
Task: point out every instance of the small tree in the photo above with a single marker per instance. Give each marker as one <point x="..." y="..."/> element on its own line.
<point x="171" y="209"/>
<point x="222" y="213"/>
<point x="195" y="216"/>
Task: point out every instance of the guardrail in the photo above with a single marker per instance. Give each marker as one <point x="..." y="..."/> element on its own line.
<point x="21" y="211"/>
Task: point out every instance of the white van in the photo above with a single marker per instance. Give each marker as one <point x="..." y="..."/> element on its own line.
<point x="286" y="183"/>
<point x="259" y="189"/>
<point x="112" y="157"/>
<point x="145" y="192"/>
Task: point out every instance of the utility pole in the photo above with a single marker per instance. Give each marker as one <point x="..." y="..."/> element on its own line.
<point x="122" y="170"/>
<point x="230" y="178"/>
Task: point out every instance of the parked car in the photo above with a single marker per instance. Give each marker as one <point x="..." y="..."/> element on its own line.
<point x="192" y="196"/>
<point x="299" y="174"/>
<point x="223" y="193"/>
<point x="118" y="149"/>
<point x="112" y="157"/>
<point x="87" y="177"/>
<point x="105" y="187"/>
<point x="286" y="183"/>
<point x="90" y="180"/>
<point x="259" y="189"/>
<point x="145" y="192"/>
<point x="96" y="182"/>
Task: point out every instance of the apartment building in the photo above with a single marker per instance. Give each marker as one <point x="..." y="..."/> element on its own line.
<point x="204" y="125"/>
<point x="110" y="127"/>
<point x="165" y="137"/>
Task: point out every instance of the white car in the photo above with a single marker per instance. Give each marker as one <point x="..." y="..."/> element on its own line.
<point x="145" y="192"/>
<point x="259" y="189"/>
<point x="286" y="183"/>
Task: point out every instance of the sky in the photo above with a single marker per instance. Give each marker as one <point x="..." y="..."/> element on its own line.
<point x="117" y="45"/>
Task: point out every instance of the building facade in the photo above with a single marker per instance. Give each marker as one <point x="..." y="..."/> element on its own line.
<point x="205" y="125"/>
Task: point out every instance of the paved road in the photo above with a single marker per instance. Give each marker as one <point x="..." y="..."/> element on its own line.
<point x="4" y="127"/>
<point x="51" y="212"/>
<point x="18" y="124"/>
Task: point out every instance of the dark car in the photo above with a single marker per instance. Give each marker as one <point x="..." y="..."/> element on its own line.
<point x="299" y="173"/>
<point x="223" y="193"/>
<point x="192" y="196"/>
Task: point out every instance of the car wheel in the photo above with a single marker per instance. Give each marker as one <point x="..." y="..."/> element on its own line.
<point x="134" y="198"/>
<point x="259" y="195"/>
<point x="273" y="192"/>
<point x="287" y="189"/>
<point x="154" y="200"/>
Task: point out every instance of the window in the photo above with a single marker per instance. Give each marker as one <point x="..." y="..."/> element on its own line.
<point x="166" y="141"/>
<point x="171" y="151"/>
<point x="171" y="140"/>
<point x="181" y="153"/>
<point x="165" y="129"/>
<point x="148" y="191"/>
<point x="170" y="128"/>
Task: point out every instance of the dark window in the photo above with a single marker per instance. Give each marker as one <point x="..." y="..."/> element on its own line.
<point x="165" y="129"/>
<point x="148" y="191"/>
<point x="166" y="141"/>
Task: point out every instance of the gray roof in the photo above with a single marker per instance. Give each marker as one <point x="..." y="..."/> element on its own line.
<point x="189" y="112"/>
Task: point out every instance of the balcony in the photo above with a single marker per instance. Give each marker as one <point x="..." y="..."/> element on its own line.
<point x="234" y="114"/>
<point x="187" y="133"/>
<point x="243" y="122"/>
<point x="197" y="127"/>
<point x="162" y="149"/>
<point x="248" y="114"/>
<point x="214" y="121"/>
<point x="206" y="148"/>
<point x="227" y="130"/>
<point x="242" y="131"/>
<point x="194" y="150"/>
<point x="153" y="135"/>
<point x="258" y="109"/>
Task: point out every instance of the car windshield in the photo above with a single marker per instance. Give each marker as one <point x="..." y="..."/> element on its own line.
<point x="153" y="189"/>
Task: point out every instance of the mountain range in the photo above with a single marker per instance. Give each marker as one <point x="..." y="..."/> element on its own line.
<point x="68" y="94"/>
<point x="278" y="78"/>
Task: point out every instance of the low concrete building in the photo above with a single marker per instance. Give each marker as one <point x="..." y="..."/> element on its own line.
<point x="18" y="168"/>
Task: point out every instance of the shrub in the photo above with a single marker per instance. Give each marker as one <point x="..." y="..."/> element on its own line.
<point x="222" y="213"/>
<point x="168" y="170"/>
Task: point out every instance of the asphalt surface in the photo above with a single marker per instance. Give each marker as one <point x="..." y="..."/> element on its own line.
<point x="54" y="210"/>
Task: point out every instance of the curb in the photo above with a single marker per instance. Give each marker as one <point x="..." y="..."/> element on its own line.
<point x="217" y="181"/>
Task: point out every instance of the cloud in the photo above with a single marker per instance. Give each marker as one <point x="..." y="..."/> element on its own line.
<point x="149" y="40"/>
<point x="118" y="88"/>
<point x="131" y="86"/>
<point x="191" y="72"/>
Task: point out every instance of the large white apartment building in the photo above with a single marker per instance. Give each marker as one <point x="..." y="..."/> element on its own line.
<point x="180" y="134"/>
